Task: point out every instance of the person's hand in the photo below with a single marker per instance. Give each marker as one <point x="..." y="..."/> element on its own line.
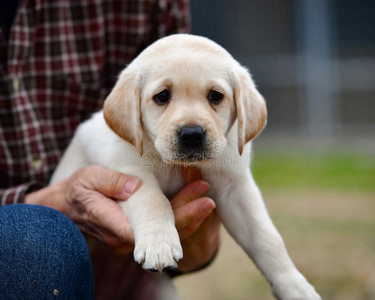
<point x="196" y="221"/>
<point x="88" y="197"/>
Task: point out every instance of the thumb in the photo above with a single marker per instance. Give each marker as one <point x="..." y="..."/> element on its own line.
<point x="110" y="183"/>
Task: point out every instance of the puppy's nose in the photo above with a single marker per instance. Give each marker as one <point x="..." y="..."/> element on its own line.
<point x="192" y="136"/>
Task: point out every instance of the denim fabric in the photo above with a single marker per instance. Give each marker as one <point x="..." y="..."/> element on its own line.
<point x="43" y="255"/>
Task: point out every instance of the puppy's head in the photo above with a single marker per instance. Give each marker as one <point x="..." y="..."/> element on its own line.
<point x="185" y="92"/>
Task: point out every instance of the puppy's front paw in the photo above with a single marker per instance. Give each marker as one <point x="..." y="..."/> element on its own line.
<point x="294" y="286"/>
<point x="157" y="250"/>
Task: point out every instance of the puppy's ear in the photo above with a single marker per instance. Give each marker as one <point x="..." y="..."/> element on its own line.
<point x="122" y="110"/>
<point x="250" y="106"/>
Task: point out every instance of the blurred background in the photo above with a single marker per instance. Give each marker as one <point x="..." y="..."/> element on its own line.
<point x="314" y="62"/>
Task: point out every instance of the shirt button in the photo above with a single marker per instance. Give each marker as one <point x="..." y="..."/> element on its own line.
<point x="16" y="84"/>
<point x="36" y="164"/>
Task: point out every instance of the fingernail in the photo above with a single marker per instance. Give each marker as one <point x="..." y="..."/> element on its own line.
<point x="132" y="185"/>
<point x="207" y="207"/>
<point x="201" y="188"/>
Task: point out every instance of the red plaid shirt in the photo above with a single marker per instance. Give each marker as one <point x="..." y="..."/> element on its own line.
<point x="56" y="68"/>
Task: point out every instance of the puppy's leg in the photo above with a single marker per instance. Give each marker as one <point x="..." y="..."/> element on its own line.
<point x="157" y="244"/>
<point x="240" y="205"/>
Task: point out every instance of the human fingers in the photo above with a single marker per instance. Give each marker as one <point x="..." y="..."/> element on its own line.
<point x="193" y="213"/>
<point x="109" y="183"/>
<point x="107" y="218"/>
<point x="89" y="193"/>
<point x="189" y="193"/>
<point x="194" y="226"/>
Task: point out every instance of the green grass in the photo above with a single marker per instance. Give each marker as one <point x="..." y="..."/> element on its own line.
<point x="327" y="171"/>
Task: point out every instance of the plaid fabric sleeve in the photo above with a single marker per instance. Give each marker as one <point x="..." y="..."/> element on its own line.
<point x="17" y="194"/>
<point x="167" y="17"/>
<point x="173" y="17"/>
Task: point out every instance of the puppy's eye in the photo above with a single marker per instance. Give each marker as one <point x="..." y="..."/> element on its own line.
<point x="215" y="97"/>
<point x="162" y="97"/>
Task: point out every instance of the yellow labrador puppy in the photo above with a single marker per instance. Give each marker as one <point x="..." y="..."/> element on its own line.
<point x="185" y="101"/>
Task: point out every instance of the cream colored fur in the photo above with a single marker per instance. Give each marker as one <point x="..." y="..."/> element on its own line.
<point x="136" y="136"/>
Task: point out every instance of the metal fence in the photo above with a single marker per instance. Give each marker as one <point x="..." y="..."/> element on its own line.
<point x="313" y="60"/>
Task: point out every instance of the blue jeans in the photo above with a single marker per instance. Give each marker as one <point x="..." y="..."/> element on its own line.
<point x="43" y="255"/>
